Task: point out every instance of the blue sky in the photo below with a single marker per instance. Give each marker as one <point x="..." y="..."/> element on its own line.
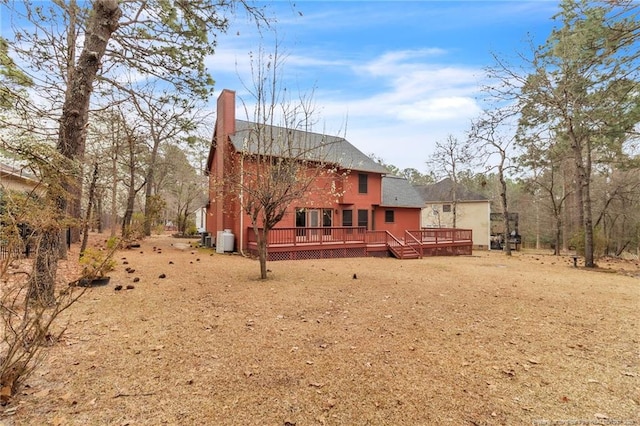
<point x="393" y="77"/>
<point x="397" y="75"/>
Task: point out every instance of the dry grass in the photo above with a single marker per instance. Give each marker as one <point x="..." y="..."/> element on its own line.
<point x="480" y="340"/>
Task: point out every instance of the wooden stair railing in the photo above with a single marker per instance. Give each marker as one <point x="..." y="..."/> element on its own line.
<point x="400" y="249"/>
<point x="412" y="242"/>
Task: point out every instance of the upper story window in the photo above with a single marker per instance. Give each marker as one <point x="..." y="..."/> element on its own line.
<point x="446" y="208"/>
<point x="363" y="180"/>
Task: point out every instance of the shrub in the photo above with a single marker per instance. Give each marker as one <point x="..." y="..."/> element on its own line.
<point x="96" y="263"/>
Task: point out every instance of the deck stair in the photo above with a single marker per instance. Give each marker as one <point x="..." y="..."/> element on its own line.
<point x="404" y="249"/>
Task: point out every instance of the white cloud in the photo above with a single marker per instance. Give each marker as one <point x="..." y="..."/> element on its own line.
<point x="437" y="109"/>
<point x="394" y="102"/>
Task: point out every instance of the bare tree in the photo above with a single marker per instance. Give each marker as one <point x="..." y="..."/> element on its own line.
<point x="131" y="162"/>
<point x="448" y="159"/>
<point x="491" y="135"/>
<point x="281" y="160"/>
<point x="186" y="187"/>
<point x="168" y="41"/>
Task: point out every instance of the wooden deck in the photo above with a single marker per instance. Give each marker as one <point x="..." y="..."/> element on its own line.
<point x="344" y="242"/>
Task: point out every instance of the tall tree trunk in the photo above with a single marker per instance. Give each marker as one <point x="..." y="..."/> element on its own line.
<point x="99" y="210"/>
<point x="565" y="221"/>
<point x="505" y="211"/>
<point x="75" y="110"/>
<point x="589" y="255"/>
<point x="114" y="194"/>
<point x="558" y="236"/>
<point x="92" y="190"/>
<point x="128" y="213"/>
<point x="150" y="179"/>
<point x="43" y="275"/>
<point x="538" y="225"/>
<point x="583" y="198"/>
<point x="147" y="197"/>
<point x="71" y="140"/>
<point x="262" y="251"/>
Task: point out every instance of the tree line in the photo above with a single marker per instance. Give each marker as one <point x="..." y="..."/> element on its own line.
<point x="117" y="88"/>
<point x="558" y="139"/>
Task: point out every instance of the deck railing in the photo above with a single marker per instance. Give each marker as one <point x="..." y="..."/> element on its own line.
<point x="414" y="243"/>
<point x="318" y="235"/>
<point x="442" y="235"/>
<point x="344" y="234"/>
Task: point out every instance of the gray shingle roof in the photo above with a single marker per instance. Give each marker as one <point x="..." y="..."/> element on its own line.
<point x="443" y="191"/>
<point x="398" y="192"/>
<point x="316" y="146"/>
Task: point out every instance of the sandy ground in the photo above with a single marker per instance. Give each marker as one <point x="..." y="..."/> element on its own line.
<point x="474" y="340"/>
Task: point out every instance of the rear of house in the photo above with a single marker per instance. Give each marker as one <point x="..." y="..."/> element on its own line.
<point x="342" y="213"/>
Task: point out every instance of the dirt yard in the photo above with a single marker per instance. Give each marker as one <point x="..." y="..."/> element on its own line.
<point x="477" y="340"/>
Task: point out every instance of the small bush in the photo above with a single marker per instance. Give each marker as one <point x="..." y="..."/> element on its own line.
<point x="96" y="263"/>
<point x="192" y="229"/>
<point x="599" y="242"/>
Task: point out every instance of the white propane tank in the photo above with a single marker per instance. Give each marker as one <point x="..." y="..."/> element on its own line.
<point x="228" y="240"/>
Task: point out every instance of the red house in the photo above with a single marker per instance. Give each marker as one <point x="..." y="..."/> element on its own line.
<point x="374" y="214"/>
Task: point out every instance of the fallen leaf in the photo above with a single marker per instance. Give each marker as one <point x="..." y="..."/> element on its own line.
<point x="5" y="394"/>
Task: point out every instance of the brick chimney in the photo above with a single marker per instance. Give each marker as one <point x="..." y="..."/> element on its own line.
<point x="225" y="126"/>
<point x="226" y="113"/>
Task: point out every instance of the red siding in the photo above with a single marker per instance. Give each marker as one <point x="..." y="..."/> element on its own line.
<point x="404" y="219"/>
<point x="224" y="210"/>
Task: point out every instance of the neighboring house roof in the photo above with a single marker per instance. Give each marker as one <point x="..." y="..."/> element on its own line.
<point x="314" y="146"/>
<point x="398" y="192"/>
<point x="17" y="177"/>
<point x="443" y="192"/>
